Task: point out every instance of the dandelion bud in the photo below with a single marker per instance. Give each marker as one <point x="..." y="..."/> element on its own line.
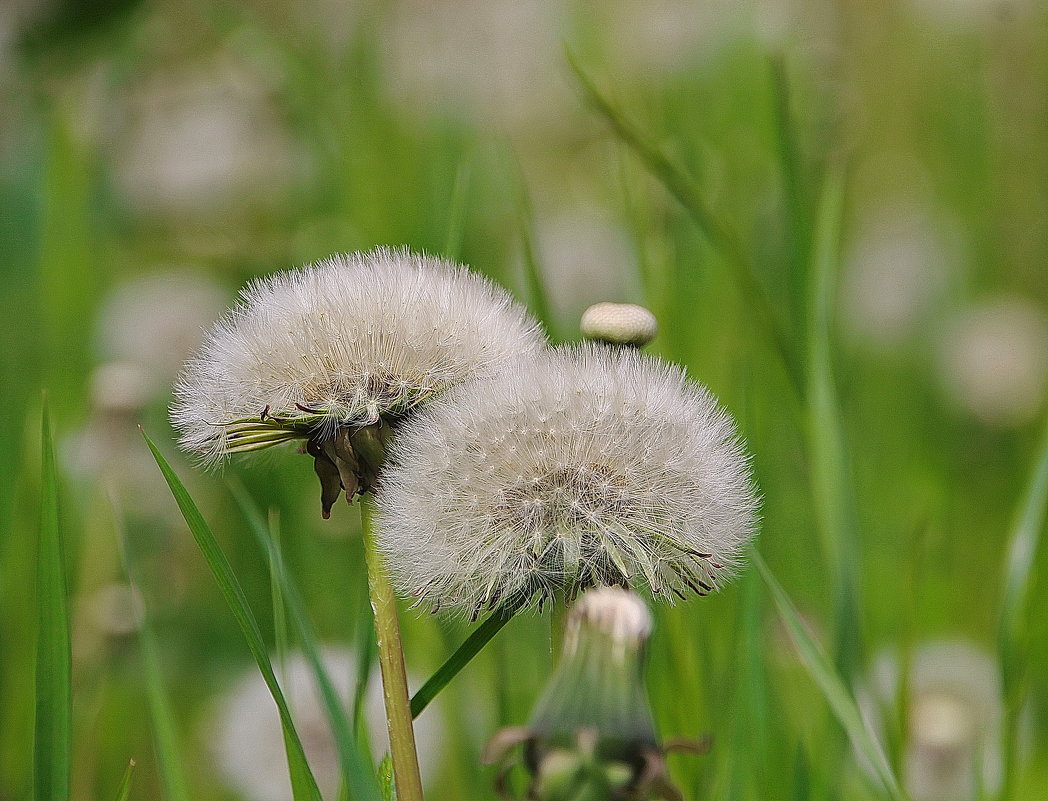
<point x="582" y="466"/>
<point x="332" y="355"/>
<point x="592" y="734"/>
<point x="619" y="324"/>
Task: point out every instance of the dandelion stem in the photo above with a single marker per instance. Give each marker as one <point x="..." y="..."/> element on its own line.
<point x="391" y="661"/>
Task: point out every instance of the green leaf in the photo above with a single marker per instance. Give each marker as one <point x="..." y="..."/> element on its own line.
<point x="1013" y="632"/>
<point x="303" y="785"/>
<point x="124" y="791"/>
<point x="356" y="770"/>
<point x="472" y="646"/>
<point x="724" y="240"/>
<point x="52" y="746"/>
<point x="830" y="471"/>
<point x="830" y="684"/>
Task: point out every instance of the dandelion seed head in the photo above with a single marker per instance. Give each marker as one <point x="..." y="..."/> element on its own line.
<point x="341" y="344"/>
<point x="582" y="466"/>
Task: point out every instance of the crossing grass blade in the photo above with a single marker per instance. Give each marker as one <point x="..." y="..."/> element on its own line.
<point x="124" y="791"/>
<point x="303" y="785"/>
<point x="52" y="745"/>
<point x="1013" y="628"/>
<point x="834" y="505"/>
<point x="830" y="684"/>
<point x="356" y="770"/>
<point x="724" y="240"/>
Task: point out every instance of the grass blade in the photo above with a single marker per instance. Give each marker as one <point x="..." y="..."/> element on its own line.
<point x="472" y="646"/>
<point x="357" y="772"/>
<point x="303" y="784"/>
<point x="457" y="210"/>
<point x="1013" y="631"/>
<point x="52" y="746"/>
<point x="681" y="185"/>
<point x="124" y="791"/>
<point x="834" y="504"/>
<point x="829" y="682"/>
<point x="535" y="284"/>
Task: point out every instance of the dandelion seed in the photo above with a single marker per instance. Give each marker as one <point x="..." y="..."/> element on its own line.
<point x="333" y="354"/>
<point x="582" y="466"/>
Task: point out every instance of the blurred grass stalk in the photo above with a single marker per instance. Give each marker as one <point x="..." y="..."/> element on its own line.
<point x="1013" y="632"/>
<point x="52" y="745"/>
<point x="359" y="777"/>
<point x="303" y="784"/>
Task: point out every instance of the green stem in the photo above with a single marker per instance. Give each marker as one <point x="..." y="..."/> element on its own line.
<point x="558" y="620"/>
<point x="391" y="661"/>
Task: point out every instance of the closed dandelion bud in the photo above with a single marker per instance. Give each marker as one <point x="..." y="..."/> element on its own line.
<point x="619" y="324"/>
<point x="581" y="466"/>
<point x="332" y="355"/>
<point x="592" y="734"/>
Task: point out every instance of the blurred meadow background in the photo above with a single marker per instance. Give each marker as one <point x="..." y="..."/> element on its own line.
<point x="872" y="176"/>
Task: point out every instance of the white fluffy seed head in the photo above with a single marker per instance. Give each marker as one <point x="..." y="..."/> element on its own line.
<point x="341" y="343"/>
<point x="618" y="613"/>
<point x="619" y="324"/>
<point x="582" y="466"/>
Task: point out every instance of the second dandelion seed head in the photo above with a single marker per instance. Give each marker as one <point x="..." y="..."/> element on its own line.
<point x="581" y="466"/>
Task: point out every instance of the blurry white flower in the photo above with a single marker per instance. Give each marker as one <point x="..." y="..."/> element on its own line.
<point x="619" y="324"/>
<point x="153" y="323"/>
<point x="352" y="342"/>
<point x="994" y="360"/>
<point x="585" y="258"/>
<point x="954" y="715"/>
<point x="581" y="466"/>
<point x="249" y="744"/>
<point x="198" y="140"/>
<point x="496" y="60"/>
<point x="894" y="272"/>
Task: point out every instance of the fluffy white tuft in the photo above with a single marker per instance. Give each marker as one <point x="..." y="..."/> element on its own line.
<point x="583" y="466"/>
<point x="341" y="343"/>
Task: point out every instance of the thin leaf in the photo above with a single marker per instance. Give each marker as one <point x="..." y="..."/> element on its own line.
<point x="472" y="646"/>
<point x="124" y="791"/>
<point x="830" y="684"/>
<point x="276" y="593"/>
<point x="1013" y="633"/>
<point x="457" y="213"/>
<point x="304" y="786"/>
<point x="535" y="284"/>
<point x="52" y="747"/>
<point x="356" y="770"/>
<point x="681" y="185"/>
<point x="834" y="505"/>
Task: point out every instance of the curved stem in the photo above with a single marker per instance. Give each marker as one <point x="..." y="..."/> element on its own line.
<point x="391" y="661"/>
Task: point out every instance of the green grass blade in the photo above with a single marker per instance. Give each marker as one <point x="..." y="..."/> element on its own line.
<point x="280" y="635"/>
<point x="303" y="784"/>
<point x="535" y="284"/>
<point x="457" y="209"/>
<point x="1013" y="631"/>
<point x="52" y="746"/>
<point x="173" y="781"/>
<point x="124" y="791"/>
<point x="472" y="646"/>
<point x="834" y="504"/>
<point x="726" y="242"/>
<point x="357" y="771"/>
<point x="830" y="684"/>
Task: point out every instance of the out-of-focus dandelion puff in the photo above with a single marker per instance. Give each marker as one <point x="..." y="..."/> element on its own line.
<point x="249" y="744"/>
<point x="195" y="142"/>
<point x="583" y="466"/>
<point x="492" y="60"/>
<point x="154" y="322"/>
<point x="954" y="714"/>
<point x="895" y="270"/>
<point x="585" y="258"/>
<point x="619" y="324"/>
<point x="994" y="361"/>
<point x="347" y="345"/>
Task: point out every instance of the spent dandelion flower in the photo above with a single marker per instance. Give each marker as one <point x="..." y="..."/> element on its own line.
<point x="619" y="324"/>
<point x="584" y="465"/>
<point x="340" y="349"/>
<point x="592" y="733"/>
